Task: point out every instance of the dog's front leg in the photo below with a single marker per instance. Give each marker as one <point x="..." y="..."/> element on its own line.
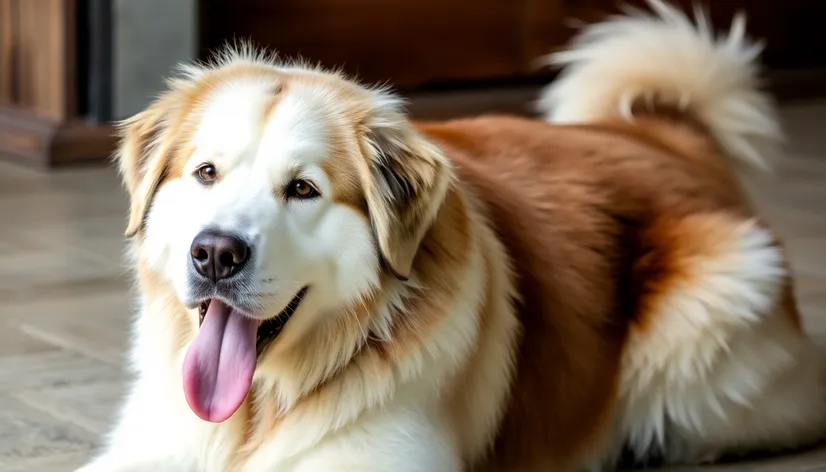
<point x="395" y="440"/>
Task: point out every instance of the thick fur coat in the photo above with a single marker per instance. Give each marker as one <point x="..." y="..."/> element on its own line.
<point x="325" y="285"/>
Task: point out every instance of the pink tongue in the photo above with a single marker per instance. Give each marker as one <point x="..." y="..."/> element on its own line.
<point x="219" y="364"/>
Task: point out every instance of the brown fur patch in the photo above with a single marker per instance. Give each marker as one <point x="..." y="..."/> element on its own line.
<point x="573" y="205"/>
<point x="346" y="183"/>
<point x="666" y="257"/>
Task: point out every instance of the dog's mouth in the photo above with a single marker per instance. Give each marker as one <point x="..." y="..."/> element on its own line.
<point x="268" y="329"/>
<point x="220" y="363"/>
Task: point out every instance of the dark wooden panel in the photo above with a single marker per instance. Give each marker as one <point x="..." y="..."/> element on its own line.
<point x="416" y="42"/>
<point x="45" y="66"/>
<point x="407" y="42"/>
<point x="545" y="29"/>
<point x="7" y="39"/>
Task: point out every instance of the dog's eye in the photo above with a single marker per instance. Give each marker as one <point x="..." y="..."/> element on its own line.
<point x="301" y="189"/>
<point x="206" y="174"/>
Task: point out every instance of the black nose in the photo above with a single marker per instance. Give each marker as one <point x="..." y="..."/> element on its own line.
<point x="218" y="255"/>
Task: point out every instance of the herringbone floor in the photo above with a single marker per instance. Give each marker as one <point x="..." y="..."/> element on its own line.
<point x="65" y="302"/>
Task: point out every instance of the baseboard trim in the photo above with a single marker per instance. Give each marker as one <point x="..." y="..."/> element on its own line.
<point x="48" y="143"/>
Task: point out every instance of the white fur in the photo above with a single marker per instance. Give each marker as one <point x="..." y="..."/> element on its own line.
<point x="381" y="418"/>
<point x="670" y="60"/>
<point x="256" y="156"/>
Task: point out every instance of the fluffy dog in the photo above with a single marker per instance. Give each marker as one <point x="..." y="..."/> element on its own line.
<point x="325" y="285"/>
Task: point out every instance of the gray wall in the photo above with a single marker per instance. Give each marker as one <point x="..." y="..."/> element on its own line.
<point x="150" y="37"/>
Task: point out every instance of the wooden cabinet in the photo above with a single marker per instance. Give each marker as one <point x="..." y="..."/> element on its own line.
<point x="425" y="43"/>
<point x="409" y="42"/>
<point x="40" y="117"/>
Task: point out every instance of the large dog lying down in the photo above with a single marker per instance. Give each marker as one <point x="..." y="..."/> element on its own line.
<point x="326" y="286"/>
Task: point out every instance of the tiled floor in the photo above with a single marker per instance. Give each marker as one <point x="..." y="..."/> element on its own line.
<point x="65" y="303"/>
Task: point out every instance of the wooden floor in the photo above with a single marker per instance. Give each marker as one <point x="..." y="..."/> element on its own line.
<point x="65" y="302"/>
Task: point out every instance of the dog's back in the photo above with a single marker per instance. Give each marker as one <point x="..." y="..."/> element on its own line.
<point x="657" y="310"/>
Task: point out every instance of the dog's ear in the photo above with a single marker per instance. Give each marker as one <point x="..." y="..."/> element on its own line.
<point x="143" y="157"/>
<point x="405" y="183"/>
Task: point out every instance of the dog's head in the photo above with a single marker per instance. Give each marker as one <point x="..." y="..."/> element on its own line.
<point x="263" y="193"/>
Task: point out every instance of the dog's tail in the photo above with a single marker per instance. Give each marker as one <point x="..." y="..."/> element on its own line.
<point x="665" y="62"/>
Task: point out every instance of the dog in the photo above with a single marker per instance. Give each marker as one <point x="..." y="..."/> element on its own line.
<point x="326" y="285"/>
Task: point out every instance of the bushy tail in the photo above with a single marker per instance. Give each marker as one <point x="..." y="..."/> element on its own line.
<point x="666" y="60"/>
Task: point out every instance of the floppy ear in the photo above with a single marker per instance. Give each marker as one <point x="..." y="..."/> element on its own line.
<point x="405" y="185"/>
<point x="143" y="157"/>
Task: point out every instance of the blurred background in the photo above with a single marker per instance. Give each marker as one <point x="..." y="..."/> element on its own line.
<point x="69" y="68"/>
